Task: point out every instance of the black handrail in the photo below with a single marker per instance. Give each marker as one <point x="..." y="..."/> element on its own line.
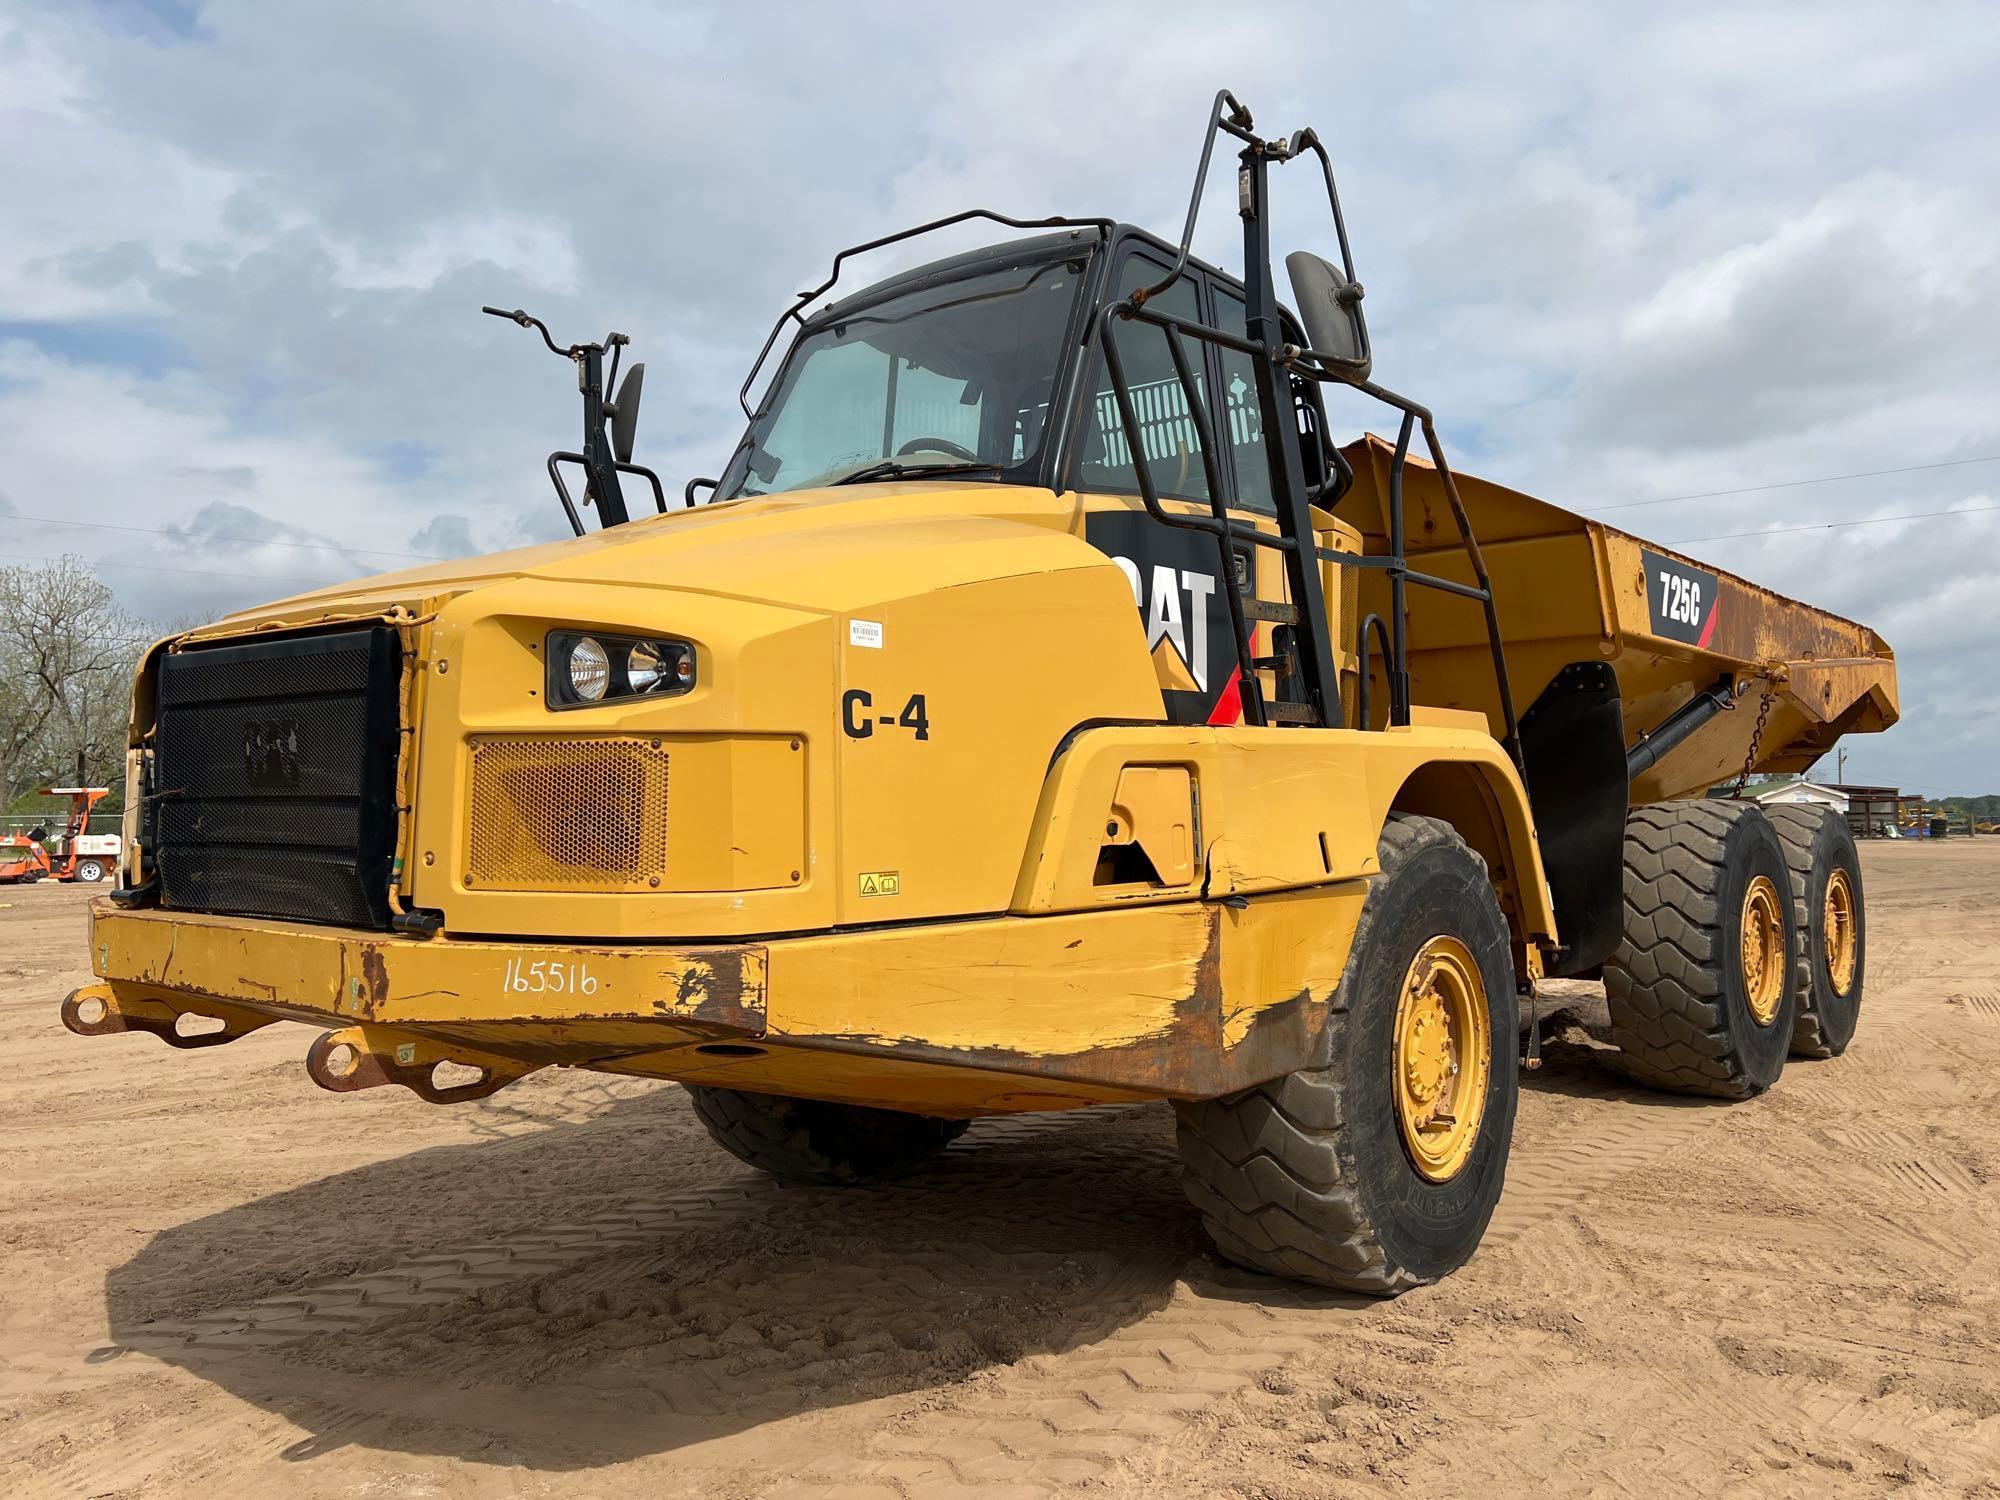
<point x="1238" y="124"/>
<point x="796" y="312"/>
<point x="1310" y="365"/>
<point x="1218" y="523"/>
<point x="1363" y="718"/>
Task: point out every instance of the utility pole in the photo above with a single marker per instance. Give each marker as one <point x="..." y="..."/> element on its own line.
<point x="1840" y="772"/>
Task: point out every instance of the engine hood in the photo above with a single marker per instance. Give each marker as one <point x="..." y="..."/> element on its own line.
<point x="830" y="550"/>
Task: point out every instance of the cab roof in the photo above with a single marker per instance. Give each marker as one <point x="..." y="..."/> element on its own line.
<point x="1073" y="239"/>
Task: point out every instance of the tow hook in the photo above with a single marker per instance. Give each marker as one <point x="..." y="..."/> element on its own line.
<point x="366" y="1057"/>
<point x="95" y="1010"/>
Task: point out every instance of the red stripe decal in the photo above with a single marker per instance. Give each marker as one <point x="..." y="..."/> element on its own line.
<point x="1229" y="703"/>
<point x="1708" y="629"/>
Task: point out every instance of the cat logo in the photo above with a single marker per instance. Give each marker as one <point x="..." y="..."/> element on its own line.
<point x="882" y="883"/>
<point x="1182" y="609"/>
<point x="1175" y="604"/>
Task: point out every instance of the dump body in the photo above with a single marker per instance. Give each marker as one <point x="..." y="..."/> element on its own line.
<point x="1572" y="589"/>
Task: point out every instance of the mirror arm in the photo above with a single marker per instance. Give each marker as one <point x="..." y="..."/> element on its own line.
<point x="1308" y="139"/>
<point x="528" y="321"/>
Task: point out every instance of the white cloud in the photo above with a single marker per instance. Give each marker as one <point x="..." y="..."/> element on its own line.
<point x="1621" y="255"/>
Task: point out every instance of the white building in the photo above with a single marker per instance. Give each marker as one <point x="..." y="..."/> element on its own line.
<point x="1798" y="789"/>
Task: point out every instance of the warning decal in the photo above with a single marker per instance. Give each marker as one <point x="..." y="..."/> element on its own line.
<point x="882" y="883"/>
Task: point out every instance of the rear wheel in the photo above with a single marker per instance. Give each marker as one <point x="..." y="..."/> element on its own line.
<point x="1701" y="987"/>
<point x="809" y="1140"/>
<point x="91" y="870"/>
<point x="1378" y="1169"/>
<point x="1825" y="871"/>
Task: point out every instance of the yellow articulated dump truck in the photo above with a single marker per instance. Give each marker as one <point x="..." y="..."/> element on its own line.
<point x="1039" y="710"/>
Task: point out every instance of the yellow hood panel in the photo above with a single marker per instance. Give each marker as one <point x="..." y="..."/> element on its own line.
<point x="831" y="550"/>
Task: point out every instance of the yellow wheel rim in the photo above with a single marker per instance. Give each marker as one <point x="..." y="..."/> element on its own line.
<point x="1763" y="949"/>
<point x="1843" y="939"/>
<point x="1444" y="1057"/>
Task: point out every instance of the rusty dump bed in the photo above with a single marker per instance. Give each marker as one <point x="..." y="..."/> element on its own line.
<point x="1570" y="589"/>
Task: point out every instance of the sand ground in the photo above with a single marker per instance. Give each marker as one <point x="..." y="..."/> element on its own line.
<point x="216" y="1279"/>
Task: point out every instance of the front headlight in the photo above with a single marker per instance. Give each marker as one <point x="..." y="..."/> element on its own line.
<point x="587" y="674"/>
<point x="587" y="668"/>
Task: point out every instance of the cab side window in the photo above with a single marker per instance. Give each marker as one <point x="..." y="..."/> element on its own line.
<point x="1167" y="435"/>
<point x="1239" y="400"/>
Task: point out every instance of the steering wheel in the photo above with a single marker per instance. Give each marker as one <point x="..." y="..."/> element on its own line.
<point x="937" y="445"/>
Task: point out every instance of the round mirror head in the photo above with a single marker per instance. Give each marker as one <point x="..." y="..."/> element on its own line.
<point x="1330" y="308"/>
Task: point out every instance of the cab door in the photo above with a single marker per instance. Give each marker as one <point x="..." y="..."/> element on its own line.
<point x="1176" y="576"/>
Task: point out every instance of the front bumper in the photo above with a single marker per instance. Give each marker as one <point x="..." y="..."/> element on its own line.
<point x="1189" y="1000"/>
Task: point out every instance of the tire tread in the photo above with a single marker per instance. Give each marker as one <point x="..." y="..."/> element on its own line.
<point x="1662" y="983"/>
<point x="1263" y="1168"/>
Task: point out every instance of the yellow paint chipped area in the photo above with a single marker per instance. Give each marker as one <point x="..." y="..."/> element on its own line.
<point x="1282" y="946"/>
<point x="1063" y="986"/>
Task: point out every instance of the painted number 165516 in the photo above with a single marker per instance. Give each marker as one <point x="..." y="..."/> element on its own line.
<point x="549" y="976"/>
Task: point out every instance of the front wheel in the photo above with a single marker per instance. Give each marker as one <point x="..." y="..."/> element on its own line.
<point x="1377" y="1170"/>
<point x="809" y="1140"/>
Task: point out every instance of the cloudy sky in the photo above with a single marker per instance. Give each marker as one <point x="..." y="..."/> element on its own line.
<point x="1628" y="254"/>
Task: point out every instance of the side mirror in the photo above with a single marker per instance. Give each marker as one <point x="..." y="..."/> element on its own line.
<point x="1330" y="308"/>
<point x="625" y="412"/>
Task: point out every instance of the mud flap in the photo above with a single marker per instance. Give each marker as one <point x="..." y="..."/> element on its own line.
<point x="1573" y="740"/>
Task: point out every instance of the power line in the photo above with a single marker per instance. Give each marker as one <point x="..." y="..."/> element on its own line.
<point x="223" y="536"/>
<point x="91" y="562"/>
<point x="1789" y="484"/>
<point x="1927" y="515"/>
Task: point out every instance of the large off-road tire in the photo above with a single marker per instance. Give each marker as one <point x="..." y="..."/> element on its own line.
<point x="809" y="1140"/>
<point x="1833" y="931"/>
<point x="1332" y="1174"/>
<point x="1706" y="884"/>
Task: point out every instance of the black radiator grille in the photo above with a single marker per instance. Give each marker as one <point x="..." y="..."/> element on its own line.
<point x="274" y="777"/>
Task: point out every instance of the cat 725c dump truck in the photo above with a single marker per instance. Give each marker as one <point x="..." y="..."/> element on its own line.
<point x="1041" y="710"/>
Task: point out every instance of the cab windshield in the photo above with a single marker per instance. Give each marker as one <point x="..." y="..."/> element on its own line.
<point x="956" y="377"/>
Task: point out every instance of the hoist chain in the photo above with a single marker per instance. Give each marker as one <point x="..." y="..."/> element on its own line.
<point x="1756" y="736"/>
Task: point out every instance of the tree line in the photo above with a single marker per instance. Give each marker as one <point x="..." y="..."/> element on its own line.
<point x="68" y="652"/>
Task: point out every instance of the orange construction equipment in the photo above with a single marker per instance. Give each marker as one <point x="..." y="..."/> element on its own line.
<point x="80" y="854"/>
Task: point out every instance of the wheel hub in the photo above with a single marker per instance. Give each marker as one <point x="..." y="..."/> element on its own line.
<point x="1840" y="932"/>
<point x="1443" y="1057"/>
<point x="1762" y="948"/>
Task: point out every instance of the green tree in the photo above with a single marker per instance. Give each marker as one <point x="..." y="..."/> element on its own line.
<point x="67" y="655"/>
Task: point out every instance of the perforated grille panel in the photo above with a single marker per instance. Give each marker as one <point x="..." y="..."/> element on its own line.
<point x="567" y="814"/>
